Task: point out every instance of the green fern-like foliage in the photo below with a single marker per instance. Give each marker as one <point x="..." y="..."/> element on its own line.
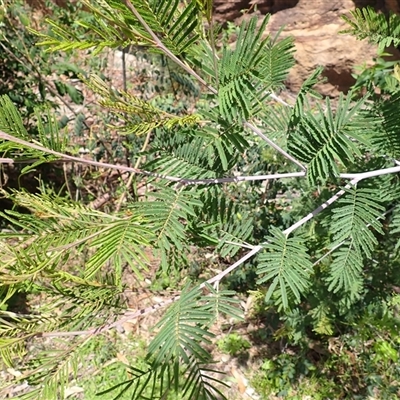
<point x="286" y="263"/>
<point x="386" y="141"/>
<point x="187" y="335"/>
<point x="350" y="219"/>
<point x="247" y="73"/>
<point x="366" y="23"/>
<point x="139" y="116"/>
<point x="167" y="210"/>
<point x="115" y="26"/>
<point x="178" y="358"/>
<point x="178" y="155"/>
<point x="11" y="123"/>
<point x="395" y="226"/>
<point x="226" y="222"/>
<point x="327" y="140"/>
<point x="52" y="226"/>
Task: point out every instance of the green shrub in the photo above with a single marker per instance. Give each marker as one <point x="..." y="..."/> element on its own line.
<point x="27" y="71"/>
<point x="233" y="344"/>
<point x="300" y="200"/>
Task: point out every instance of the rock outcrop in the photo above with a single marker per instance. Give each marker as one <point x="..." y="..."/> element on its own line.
<point x="315" y="25"/>
<point x="232" y="9"/>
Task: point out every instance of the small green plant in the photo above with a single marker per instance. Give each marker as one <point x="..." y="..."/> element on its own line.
<point x="378" y="77"/>
<point x="233" y="344"/>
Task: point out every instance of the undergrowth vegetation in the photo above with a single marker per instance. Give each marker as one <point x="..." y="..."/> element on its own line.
<point x="193" y="173"/>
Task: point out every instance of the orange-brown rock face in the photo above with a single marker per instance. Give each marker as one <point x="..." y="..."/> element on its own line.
<point x="315" y="26"/>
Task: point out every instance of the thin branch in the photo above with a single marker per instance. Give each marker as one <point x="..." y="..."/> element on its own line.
<point x="236" y="179"/>
<point x="358" y="177"/>
<point x="274" y="145"/>
<point x="279" y="100"/>
<point x="242" y="245"/>
<point x="371" y="174"/>
<point x="182" y="181"/>
<point x="218" y="277"/>
<point x="64" y="157"/>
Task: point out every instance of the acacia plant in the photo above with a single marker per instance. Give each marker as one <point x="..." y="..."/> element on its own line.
<point x="325" y="176"/>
